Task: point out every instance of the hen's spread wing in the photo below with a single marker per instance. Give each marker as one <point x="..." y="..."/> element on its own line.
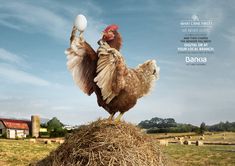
<point x="111" y="71"/>
<point x="81" y="61"/>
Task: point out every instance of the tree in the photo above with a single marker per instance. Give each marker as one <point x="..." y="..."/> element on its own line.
<point x="202" y="128"/>
<point x="54" y="125"/>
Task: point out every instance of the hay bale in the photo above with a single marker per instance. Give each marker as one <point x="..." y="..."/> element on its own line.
<point x="106" y="142"/>
<point x="199" y="143"/>
<point x="144" y="130"/>
<point x="187" y="142"/>
<point x="202" y="138"/>
<point x="60" y="141"/>
<point x="32" y="140"/>
<point x="163" y="142"/>
<point x="47" y="141"/>
<point x="180" y="138"/>
<point x="181" y="142"/>
<point x="54" y="140"/>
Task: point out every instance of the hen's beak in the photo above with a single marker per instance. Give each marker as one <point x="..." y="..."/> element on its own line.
<point x="106" y="36"/>
<point x="156" y="72"/>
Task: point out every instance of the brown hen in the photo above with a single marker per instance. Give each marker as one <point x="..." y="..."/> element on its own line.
<point x="104" y="72"/>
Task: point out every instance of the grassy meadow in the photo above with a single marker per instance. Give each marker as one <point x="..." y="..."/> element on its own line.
<point x="207" y="155"/>
<point x="23" y="152"/>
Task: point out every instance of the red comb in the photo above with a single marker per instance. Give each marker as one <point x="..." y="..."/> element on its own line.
<point x="112" y="27"/>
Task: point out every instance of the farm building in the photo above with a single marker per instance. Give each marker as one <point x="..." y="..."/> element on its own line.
<point x="14" y="128"/>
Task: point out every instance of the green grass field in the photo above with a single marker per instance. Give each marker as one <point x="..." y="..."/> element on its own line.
<point x="210" y="155"/>
<point x="206" y="155"/>
<point x="22" y="152"/>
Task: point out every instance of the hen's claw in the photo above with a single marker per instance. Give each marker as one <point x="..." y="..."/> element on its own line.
<point x="111" y="116"/>
<point x="118" y="118"/>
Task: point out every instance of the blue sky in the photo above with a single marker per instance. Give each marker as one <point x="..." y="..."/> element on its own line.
<point x="34" y="78"/>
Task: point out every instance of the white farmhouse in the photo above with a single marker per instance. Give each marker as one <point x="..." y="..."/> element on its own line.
<point x="14" y="128"/>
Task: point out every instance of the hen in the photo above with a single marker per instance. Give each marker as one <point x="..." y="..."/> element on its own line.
<point x="104" y="72"/>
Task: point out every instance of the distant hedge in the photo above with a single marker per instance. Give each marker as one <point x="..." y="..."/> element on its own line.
<point x="178" y="129"/>
<point x="58" y="133"/>
<point x="44" y="134"/>
<point x="168" y="125"/>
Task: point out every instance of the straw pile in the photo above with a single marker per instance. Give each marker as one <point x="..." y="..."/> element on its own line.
<point x="106" y="143"/>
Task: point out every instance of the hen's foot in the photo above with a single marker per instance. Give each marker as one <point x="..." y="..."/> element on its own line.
<point x="111" y="116"/>
<point x="118" y="118"/>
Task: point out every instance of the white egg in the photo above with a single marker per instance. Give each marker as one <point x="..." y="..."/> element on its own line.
<point x="80" y="22"/>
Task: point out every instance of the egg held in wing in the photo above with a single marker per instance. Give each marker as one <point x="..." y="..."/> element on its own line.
<point x="80" y="22"/>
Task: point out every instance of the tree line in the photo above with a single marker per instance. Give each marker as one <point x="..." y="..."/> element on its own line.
<point x="169" y="125"/>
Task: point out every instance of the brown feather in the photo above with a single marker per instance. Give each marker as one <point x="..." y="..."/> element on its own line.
<point x="90" y="52"/>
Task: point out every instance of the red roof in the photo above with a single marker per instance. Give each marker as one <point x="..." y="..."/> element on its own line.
<point x="15" y="124"/>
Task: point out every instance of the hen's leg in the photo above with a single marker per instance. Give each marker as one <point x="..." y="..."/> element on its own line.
<point x="118" y="118"/>
<point x="73" y="34"/>
<point x="111" y="116"/>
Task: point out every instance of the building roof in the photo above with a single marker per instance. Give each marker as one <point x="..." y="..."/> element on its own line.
<point x="15" y="124"/>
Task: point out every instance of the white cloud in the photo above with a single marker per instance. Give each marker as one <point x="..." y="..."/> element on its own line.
<point x="10" y="25"/>
<point x="68" y="111"/>
<point x="28" y="16"/>
<point x="11" y="57"/>
<point x="62" y="108"/>
<point x="11" y="70"/>
<point x="35" y="18"/>
<point x="19" y="76"/>
<point x="230" y="35"/>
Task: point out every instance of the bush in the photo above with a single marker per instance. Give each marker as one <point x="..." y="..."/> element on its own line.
<point x="3" y="135"/>
<point x="28" y="136"/>
<point x="44" y="134"/>
<point x="58" y="133"/>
